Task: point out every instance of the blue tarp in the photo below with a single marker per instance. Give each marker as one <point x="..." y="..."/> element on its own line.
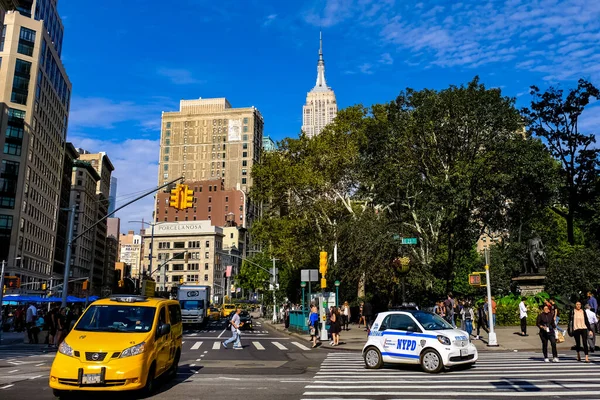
<point x="36" y="299"/>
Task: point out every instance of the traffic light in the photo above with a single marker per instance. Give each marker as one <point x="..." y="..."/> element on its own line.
<point x="187" y="196"/>
<point x="43" y="286"/>
<point x="323" y="263"/>
<point x="181" y="281"/>
<point x="175" y="198"/>
<point x="12" y="282"/>
<point x="85" y="285"/>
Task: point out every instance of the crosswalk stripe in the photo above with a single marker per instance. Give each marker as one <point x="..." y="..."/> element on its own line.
<point x="258" y="346"/>
<point x="216" y="345"/>
<point x="300" y="346"/>
<point x="279" y="346"/>
<point x="196" y="345"/>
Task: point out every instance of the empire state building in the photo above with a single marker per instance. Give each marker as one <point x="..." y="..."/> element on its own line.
<point x="321" y="107"/>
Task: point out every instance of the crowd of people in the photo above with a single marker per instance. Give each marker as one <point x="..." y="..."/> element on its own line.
<point x="53" y="322"/>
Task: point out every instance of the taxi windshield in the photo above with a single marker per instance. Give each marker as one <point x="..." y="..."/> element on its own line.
<point x="431" y="322"/>
<point x="117" y="319"/>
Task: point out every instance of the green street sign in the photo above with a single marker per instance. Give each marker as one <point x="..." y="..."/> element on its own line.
<point x="396" y="237"/>
<point x="409" y="240"/>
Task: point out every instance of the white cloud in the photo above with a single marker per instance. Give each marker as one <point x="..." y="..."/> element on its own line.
<point x="386" y="58"/>
<point x="366" y="68"/>
<point x="269" y="19"/>
<point x="179" y="76"/>
<point x="136" y="168"/>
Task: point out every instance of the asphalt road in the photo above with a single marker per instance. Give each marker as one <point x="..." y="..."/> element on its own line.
<point x="271" y="364"/>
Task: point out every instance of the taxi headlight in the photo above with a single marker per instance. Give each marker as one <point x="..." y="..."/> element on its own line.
<point x="65" y="349"/>
<point x="134" y="350"/>
<point x="443" y="340"/>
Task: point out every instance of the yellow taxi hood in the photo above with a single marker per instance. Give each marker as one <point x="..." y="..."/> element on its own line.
<point x="105" y="341"/>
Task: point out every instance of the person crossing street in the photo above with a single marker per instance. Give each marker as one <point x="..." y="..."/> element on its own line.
<point x="235" y="331"/>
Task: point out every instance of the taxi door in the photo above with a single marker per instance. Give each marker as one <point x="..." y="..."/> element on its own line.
<point x="163" y="343"/>
<point x="401" y="339"/>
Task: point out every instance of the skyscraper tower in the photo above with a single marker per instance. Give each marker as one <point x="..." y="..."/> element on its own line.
<point x="321" y="107"/>
<point x="35" y="99"/>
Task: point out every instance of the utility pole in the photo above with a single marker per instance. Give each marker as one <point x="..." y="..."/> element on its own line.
<point x="274" y="285"/>
<point x="65" y="289"/>
<point x="1" y="297"/>
<point x="492" y="341"/>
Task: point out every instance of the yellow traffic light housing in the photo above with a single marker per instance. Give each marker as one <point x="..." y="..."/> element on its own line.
<point x="323" y="283"/>
<point x="85" y="284"/>
<point x="181" y="281"/>
<point x="175" y="198"/>
<point x="43" y="286"/>
<point x="323" y="263"/>
<point x="187" y="195"/>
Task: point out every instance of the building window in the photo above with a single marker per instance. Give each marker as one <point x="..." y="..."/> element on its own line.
<point x="245" y="146"/>
<point x="245" y="129"/>
<point x="206" y="255"/>
<point x="167" y="133"/>
<point x="206" y="266"/>
<point x="244" y="137"/>
<point x="3" y="37"/>
<point x="245" y="154"/>
<point x="210" y="198"/>
<point x="177" y="267"/>
<point x="6" y="222"/>
<point x="207" y="244"/>
<point x="12" y="149"/>
<point x="26" y="42"/>
<point x="245" y="121"/>
<point x="205" y="277"/>
<point x="166" y="158"/>
<point x="166" y="167"/>
<point x="244" y="172"/>
<point x="21" y="82"/>
<point x="7" y="202"/>
<point x="243" y="181"/>
<point x="244" y="163"/>
<point x="168" y="124"/>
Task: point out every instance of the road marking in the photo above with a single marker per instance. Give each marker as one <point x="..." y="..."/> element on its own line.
<point x="196" y="345"/>
<point x="571" y="394"/>
<point x="206" y="351"/>
<point x="37" y="376"/>
<point x="39" y="365"/>
<point x="216" y="345"/>
<point x="301" y="346"/>
<point x="14" y="370"/>
<point x="279" y="346"/>
<point x="7" y="386"/>
<point x="221" y="334"/>
<point x="258" y="346"/>
<point x="192" y="334"/>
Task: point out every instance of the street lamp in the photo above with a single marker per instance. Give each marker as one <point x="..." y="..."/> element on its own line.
<point x="151" y="243"/>
<point x="337" y="287"/>
<point x="303" y="286"/>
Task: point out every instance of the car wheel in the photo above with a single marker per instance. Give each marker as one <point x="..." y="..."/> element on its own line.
<point x="373" y="359"/>
<point x="431" y="361"/>
<point x="60" y="394"/>
<point x="150" y="381"/>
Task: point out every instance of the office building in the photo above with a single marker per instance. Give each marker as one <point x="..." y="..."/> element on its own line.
<point x="208" y="139"/>
<point x="212" y="202"/>
<point x="130" y="245"/>
<point x="112" y="195"/>
<point x="35" y="96"/>
<point x="188" y="252"/>
<point x="268" y="144"/>
<point x="321" y="106"/>
<point x="63" y="215"/>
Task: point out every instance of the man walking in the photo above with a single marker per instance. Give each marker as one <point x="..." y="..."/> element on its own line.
<point x="523" y="316"/>
<point x="593" y="319"/>
<point x="593" y="303"/>
<point x="449" y="304"/>
<point x="235" y="331"/>
<point x="368" y="313"/>
<point x="30" y="319"/>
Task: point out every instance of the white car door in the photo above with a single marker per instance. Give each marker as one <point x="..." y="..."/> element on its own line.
<point x="400" y="339"/>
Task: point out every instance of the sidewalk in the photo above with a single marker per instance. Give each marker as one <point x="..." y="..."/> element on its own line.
<point x="19" y="340"/>
<point x="506" y="336"/>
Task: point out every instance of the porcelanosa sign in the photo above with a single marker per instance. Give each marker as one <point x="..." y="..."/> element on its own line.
<point x="182" y="228"/>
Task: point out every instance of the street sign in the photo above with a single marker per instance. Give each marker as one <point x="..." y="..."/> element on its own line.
<point x="409" y="240"/>
<point x="396" y="237"/>
<point x="309" y="275"/>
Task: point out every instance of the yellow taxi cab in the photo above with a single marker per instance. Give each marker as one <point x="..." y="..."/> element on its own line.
<point x="227" y="309"/>
<point x="123" y="342"/>
<point x="214" y="314"/>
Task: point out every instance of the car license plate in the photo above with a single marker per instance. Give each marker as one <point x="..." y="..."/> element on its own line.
<point x="91" y="379"/>
<point x="464" y="352"/>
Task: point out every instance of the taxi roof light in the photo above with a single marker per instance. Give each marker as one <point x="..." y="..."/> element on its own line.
<point x="128" y="299"/>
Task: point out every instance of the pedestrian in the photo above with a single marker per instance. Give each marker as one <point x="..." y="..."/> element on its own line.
<point x="346" y="315"/>
<point x="335" y="326"/>
<point x="594" y="325"/>
<point x="235" y="331"/>
<point x="368" y="311"/>
<point x="523" y="316"/>
<point x="468" y="316"/>
<point x="286" y="316"/>
<point x="61" y="328"/>
<point x="449" y="306"/>
<point x="494" y="306"/>
<point x="579" y="327"/>
<point x="30" y="320"/>
<point x="592" y="301"/>
<point x="556" y="312"/>
<point x="482" y="321"/>
<point x="361" y="317"/>
<point x="547" y="326"/>
<point x="313" y="325"/>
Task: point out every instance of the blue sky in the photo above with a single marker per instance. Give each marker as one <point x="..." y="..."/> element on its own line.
<point x="130" y="60"/>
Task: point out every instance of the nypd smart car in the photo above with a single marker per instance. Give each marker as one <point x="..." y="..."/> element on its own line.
<point x="417" y="337"/>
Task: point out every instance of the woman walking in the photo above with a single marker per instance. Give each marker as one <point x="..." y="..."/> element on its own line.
<point x="547" y="324"/>
<point x="346" y="315"/>
<point x="467" y="315"/>
<point x="580" y="327"/>
<point x="361" y="317"/>
<point x="336" y="326"/>
<point x="313" y="325"/>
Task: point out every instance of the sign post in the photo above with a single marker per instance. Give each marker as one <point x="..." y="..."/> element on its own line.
<point x="492" y="342"/>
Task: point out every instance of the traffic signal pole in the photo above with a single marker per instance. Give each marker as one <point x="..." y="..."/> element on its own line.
<point x="1" y="297"/>
<point x="72" y="239"/>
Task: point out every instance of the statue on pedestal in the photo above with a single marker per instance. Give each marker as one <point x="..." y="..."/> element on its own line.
<point x="536" y="260"/>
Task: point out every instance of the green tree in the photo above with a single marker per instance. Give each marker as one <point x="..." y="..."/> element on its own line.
<point x="251" y="276"/>
<point x="555" y="118"/>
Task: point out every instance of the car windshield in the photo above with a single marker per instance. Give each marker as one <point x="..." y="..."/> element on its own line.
<point x="117" y="318"/>
<point x="244" y="314"/>
<point x="431" y="321"/>
<point x="191" y="304"/>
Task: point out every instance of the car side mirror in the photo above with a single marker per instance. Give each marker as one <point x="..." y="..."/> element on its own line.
<point x="382" y="328"/>
<point x="412" y="329"/>
<point x="164" y="329"/>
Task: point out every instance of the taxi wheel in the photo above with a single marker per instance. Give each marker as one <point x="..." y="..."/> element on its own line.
<point x="61" y="394"/>
<point x="174" y="367"/>
<point x="150" y="380"/>
<point x="431" y="361"/>
<point x="373" y="359"/>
